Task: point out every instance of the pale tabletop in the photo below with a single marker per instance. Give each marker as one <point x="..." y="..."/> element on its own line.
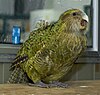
<point x="75" y="88"/>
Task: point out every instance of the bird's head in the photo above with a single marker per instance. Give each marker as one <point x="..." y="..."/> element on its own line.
<point x="75" y="21"/>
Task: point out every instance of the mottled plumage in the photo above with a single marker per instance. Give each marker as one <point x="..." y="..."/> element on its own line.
<point x="50" y="52"/>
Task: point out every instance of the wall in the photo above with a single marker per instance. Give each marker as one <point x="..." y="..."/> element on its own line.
<point x="4" y="72"/>
<point x="79" y="72"/>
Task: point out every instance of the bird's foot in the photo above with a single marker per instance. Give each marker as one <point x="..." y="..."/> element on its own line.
<point x="39" y="84"/>
<point x="58" y="84"/>
<point x="50" y="85"/>
<point x="42" y="24"/>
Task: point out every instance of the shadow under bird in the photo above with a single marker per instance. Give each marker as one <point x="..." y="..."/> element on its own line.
<point x="50" y="52"/>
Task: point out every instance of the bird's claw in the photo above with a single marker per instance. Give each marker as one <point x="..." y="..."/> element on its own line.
<point x="42" y="24"/>
<point x="50" y="85"/>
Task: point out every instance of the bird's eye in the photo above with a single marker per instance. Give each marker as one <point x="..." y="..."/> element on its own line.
<point x="74" y="14"/>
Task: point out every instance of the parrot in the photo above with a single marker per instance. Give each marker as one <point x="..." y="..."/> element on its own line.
<point x="51" y="51"/>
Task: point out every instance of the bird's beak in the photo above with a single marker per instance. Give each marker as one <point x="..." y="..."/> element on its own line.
<point x="85" y="17"/>
<point x="84" y="21"/>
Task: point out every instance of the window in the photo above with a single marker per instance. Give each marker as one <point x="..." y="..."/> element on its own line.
<point x="27" y="13"/>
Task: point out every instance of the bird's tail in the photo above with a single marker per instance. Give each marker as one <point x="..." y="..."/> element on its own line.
<point x="18" y="60"/>
<point x="18" y="76"/>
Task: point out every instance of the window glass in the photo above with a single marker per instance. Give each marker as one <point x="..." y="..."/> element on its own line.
<point x="27" y="14"/>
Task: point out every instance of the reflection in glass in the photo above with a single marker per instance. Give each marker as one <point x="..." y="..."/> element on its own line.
<point x="27" y="13"/>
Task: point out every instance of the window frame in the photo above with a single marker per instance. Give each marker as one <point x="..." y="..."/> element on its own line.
<point x="92" y="54"/>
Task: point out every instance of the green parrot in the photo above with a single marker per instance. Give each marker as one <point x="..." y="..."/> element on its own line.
<point x="50" y="52"/>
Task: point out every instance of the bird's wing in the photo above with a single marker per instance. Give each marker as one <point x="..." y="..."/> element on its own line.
<point x="37" y="39"/>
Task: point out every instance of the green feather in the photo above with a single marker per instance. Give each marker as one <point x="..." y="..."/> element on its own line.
<point x="52" y="51"/>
